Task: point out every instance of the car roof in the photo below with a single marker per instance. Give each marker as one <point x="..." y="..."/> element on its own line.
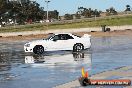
<point x="63" y="33"/>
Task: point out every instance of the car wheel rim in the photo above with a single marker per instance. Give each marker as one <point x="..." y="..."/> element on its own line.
<point x="40" y="50"/>
<point x="79" y="48"/>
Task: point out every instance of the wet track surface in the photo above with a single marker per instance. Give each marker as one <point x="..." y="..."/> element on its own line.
<point x="24" y="70"/>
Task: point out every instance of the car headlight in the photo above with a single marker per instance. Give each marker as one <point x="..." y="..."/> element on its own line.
<point x="27" y="45"/>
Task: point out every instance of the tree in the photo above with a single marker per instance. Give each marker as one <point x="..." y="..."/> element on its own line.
<point x="111" y="11"/>
<point x="3" y="6"/>
<point x="53" y="14"/>
<point x="77" y="15"/>
<point x="107" y="12"/>
<point x="128" y="8"/>
<point x="24" y="11"/>
<point x="21" y="12"/>
<point x="88" y="12"/>
<point x="80" y="10"/>
<point x="68" y="17"/>
<point x="96" y="13"/>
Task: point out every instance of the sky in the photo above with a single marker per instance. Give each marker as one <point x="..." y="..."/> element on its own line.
<point x="70" y="6"/>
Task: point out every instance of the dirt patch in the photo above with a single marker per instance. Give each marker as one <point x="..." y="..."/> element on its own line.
<point x="94" y="34"/>
<point x="112" y="33"/>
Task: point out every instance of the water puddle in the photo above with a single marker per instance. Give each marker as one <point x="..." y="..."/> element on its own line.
<point x="22" y="70"/>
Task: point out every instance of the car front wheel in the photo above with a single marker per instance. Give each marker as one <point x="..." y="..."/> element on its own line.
<point x="38" y="49"/>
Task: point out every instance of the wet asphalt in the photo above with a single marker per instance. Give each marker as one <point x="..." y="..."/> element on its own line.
<point x="26" y="70"/>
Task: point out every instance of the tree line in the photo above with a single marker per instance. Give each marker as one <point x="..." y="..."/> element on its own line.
<point x="29" y="11"/>
<point x="88" y="12"/>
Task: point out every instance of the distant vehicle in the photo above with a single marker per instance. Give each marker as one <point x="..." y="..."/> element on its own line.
<point x="59" y="41"/>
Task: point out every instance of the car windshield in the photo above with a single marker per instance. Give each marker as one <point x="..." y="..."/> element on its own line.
<point x="49" y="37"/>
<point x="77" y="35"/>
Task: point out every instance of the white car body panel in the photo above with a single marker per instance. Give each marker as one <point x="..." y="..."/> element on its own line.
<point x="50" y="45"/>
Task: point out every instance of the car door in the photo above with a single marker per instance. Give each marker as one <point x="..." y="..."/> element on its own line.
<point x="56" y="43"/>
<point x="68" y="42"/>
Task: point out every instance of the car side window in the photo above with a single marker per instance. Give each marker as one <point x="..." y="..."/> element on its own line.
<point x="56" y="37"/>
<point x="62" y="37"/>
<point x="68" y="37"/>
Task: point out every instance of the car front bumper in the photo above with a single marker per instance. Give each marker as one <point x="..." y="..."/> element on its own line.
<point x="28" y="49"/>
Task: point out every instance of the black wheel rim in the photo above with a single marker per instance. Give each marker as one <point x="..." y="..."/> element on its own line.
<point x="78" y="47"/>
<point x="40" y="50"/>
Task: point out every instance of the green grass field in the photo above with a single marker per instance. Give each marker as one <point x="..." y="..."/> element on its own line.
<point x="109" y="21"/>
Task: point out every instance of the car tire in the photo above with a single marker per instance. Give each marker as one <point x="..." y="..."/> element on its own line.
<point x="78" y="47"/>
<point x="38" y="49"/>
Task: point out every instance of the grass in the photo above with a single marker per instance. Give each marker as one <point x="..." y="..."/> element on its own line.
<point x="109" y="21"/>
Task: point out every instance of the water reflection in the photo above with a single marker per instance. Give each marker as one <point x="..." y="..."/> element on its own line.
<point x="10" y="59"/>
<point x="52" y="68"/>
<point x="4" y="61"/>
<point x="72" y="59"/>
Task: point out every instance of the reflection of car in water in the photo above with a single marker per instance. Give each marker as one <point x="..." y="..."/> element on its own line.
<point x="75" y="59"/>
<point x="60" y="41"/>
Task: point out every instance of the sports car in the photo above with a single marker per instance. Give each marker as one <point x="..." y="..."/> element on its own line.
<point x="59" y="41"/>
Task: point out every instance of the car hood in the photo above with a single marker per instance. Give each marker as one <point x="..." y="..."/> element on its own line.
<point x="37" y="41"/>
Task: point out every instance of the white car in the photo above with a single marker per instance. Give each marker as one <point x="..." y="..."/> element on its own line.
<point x="59" y="41"/>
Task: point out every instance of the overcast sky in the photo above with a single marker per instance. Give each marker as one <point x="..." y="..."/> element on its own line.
<point x="70" y="6"/>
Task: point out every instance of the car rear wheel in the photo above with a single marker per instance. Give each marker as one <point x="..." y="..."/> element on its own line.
<point x="38" y="49"/>
<point x="78" y="47"/>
